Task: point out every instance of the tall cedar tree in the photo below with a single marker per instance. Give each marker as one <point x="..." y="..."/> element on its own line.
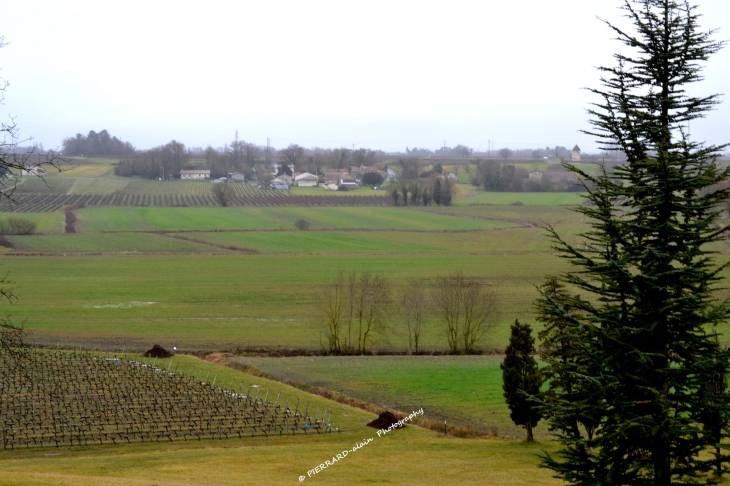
<point x="645" y="331"/>
<point x="560" y="344"/>
<point x="521" y="378"/>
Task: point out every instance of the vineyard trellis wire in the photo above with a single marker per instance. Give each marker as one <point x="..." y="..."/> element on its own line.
<point x="73" y="398"/>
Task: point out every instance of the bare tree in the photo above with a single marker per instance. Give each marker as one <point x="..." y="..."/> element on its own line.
<point x="467" y="308"/>
<point x="409" y="168"/>
<point x="292" y="153"/>
<point x="339" y="158"/>
<point x="463" y="150"/>
<point x="13" y="158"/>
<point x="331" y="302"/>
<point x="363" y="157"/>
<point x="354" y="311"/>
<point x="415" y="310"/>
<point x="221" y="193"/>
<point x="505" y="153"/>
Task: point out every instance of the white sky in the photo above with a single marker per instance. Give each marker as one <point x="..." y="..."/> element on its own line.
<point x="373" y="73"/>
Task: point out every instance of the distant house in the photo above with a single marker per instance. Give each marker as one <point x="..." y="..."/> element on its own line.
<point x="306" y="180"/>
<point x="333" y="177"/>
<point x="281" y="182"/>
<point x="236" y="177"/>
<point x="575" y="156"/>
<point x="35" y="170"/>
<point x="348" y="181"/>
<point x="535" y="175"/>
<point x="452" y="177"/>
<point x="195" y="174"/>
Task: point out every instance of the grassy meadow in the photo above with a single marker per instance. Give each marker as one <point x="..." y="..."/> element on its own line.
<point x="465" y="390"/>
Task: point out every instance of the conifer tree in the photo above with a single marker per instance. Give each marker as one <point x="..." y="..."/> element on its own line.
<point x="644" y="320"/>
<point x="521" y="378"/>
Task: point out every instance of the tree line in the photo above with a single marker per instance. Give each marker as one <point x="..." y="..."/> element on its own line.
<point x="356" y="311"/>
<point x="97" y="145"/>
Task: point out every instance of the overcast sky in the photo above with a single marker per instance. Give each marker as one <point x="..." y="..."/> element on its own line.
<point x="329" y="73"/>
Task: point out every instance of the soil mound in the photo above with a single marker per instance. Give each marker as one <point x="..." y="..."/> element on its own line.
<point x="385" y="420"/>
<point x="157" y="351"/>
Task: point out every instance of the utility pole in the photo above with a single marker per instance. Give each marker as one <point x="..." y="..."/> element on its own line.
<point x="268" y="149"/>
<point x="444" y="149"/>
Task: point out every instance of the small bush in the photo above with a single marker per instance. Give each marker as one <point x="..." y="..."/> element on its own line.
<point x="17" y="226"/>
<point x="343" y="188"/>
<point x="517" y="203"/>
<point x="372" y="179"/>
<point x="301" y="224"/>
<point x="5" y="242"/>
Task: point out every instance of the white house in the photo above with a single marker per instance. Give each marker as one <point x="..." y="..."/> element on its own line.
<point x="236" y="177"/>
<point x="306" y="180"/>
<point x="195" y="174"/>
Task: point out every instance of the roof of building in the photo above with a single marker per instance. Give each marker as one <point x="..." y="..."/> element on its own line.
<point x="195" y="171"/>
<point x="306" y="176"/>
<point x="576" y="148"/>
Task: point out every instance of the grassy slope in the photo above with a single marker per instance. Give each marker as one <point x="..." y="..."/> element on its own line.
<point x="465" y="389"/>
<point x="409" y="456"/>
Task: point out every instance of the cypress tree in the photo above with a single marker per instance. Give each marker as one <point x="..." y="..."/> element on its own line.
<point x="521" y="378"/>
<point x="648" y="360"/>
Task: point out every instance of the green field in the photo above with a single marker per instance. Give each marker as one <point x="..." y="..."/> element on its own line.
<point x="47" y="222"/>
<point x="465" y="390"/>
<point x="201" y="301"/>
<point x="104" y="243"/>
<point x="339" y="242"/>
<point x="94" y="220"/>
<point x="526" y="198"/>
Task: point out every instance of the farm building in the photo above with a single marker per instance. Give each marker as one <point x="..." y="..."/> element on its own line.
<point x="195" y="174"/>
<point x="281" y="182"/>
<point x="575" y="156"/>
<point x="236" y="177"/>
<point x="35" y="170"/>
<point x="348" y="181"/>
<point x="333" y="177"/>
<point x="306" y="180"/>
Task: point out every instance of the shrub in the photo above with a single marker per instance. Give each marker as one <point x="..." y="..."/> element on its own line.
<point x="372" y="179"/>
<point x="301" y="224"/>
<point x="17" y="226"/>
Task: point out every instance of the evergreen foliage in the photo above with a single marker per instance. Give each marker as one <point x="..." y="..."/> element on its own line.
<point x="647" y="360"/>
<point x="521" y="379"/>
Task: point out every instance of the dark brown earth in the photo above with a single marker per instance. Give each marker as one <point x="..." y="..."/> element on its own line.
<point x="157" y="351"/>
<point x="384" y="421"/>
